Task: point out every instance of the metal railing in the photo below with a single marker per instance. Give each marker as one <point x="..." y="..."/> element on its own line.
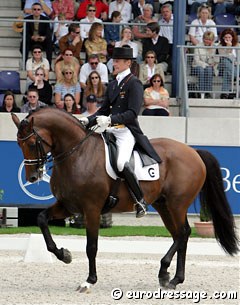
<point x="224" y="79"/>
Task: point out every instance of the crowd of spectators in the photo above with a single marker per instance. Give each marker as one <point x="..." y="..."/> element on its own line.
<point x="151" y="38"/>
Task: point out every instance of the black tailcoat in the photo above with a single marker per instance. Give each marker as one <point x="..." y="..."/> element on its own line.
<point x="123" y="103"/>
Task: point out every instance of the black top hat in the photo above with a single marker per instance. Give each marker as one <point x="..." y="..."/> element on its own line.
<point x="91" y="98"/>
<point x="123" y="53"/>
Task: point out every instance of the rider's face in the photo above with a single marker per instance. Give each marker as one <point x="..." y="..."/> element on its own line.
<point x="121" y="65"/>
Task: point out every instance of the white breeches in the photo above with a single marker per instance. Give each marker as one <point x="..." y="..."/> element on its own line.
<point x="125" y="142"/>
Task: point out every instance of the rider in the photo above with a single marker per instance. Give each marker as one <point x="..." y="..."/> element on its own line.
<point x="120" y="109"/>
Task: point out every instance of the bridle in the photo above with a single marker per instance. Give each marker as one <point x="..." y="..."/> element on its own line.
<point x="43" y="157"/>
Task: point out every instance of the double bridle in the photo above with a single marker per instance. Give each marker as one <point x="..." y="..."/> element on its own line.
<point x="43" y="157"/>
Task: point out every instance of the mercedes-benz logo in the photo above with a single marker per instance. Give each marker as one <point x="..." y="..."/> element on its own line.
<point x="30" y="188"/>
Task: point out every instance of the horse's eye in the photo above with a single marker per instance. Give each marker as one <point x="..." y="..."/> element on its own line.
<point x="32" y="145"/>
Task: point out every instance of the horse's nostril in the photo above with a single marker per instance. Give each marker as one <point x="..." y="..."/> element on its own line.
<point x="33" y="179"/>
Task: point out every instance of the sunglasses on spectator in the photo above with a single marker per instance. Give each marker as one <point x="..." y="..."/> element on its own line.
<point x="92" y="10"/>
<point x="37" y="52"/>
<point x="68" y="54"/>
<point x="36" y="9"/>
<point x="68" y="72"/>
<point x="32" y="96"/>
<point x="150" y="56"/>
<point x="94" y="63"/>
<point x="156" y="81"/>
<point x="77" y="32"/>
<point x="94" y="77"/>
<point x="41" y="74"/>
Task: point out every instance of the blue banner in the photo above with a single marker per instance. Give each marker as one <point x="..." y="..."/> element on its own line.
<point x="16" y="191"/>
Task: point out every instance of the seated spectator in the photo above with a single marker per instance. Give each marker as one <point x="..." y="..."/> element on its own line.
<point x="228" y="60"/>
<point x="43" y="87"/>
<point x="59" y="30"/>
<point x="94" y="87"/>
<point x="93" y="64"/>
<point x="72" y="41"/>
<point x="95" y="44"/>
<point x="101" y="9"/>
<point x="149" y="68"/>
<point x="67" y="84"/>
<point x="205" y="63"/>
<point x="111" y="31"/>
<point x="33" y="102"/>
<point x="9" y="103"/>
<point x="46" y="7"/>
<point x="70" y="104"/>
<point x="66" y="59"/>
<point x="156" y="98"/>
<point x="166" y="29"/>
<point x="38" y="33"/>
<point x="126" y="39"/>
<point x="36" y="61"/>
<point x="123" y="7"/>
<point x="139" y="32"/>
<point x="156" y="43"/>
<point x="86" y="23"/>
<point x="198" y="26"/>
<point x="138" y="7"/>
<point x="64" y="7"/>
<point x="91" y="105"/>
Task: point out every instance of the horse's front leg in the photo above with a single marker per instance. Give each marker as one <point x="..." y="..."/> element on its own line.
<point x="92" y="227"/>
<point x="57" y="211"/>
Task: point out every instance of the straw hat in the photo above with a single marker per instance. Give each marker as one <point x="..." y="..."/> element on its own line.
<point x="18" y="25"/>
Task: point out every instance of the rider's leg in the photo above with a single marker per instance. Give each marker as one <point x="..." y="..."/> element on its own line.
<point x="125" y="143"/>
<point x="131" y="179"/>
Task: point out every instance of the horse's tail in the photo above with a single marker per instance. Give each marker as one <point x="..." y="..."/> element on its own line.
<point x="213" y="197"/>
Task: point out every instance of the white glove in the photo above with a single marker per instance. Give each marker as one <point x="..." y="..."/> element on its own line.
<point x="84" y="121"/>
<point x="103" y="121"/>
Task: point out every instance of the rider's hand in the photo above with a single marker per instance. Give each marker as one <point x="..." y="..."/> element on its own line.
<point x="103" y="121"/>
<point x="84" y="121"/>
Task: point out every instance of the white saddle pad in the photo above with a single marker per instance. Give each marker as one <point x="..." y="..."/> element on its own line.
<point x="146" y="173"/>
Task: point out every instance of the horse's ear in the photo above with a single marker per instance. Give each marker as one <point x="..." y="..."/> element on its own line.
<point x="15" y="119"/>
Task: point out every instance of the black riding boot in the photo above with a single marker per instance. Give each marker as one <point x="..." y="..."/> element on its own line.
<point x="131" y="179"/>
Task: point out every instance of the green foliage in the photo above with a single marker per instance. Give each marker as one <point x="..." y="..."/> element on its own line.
<point x="205" y="214"/>
<point x="115" y="231"/>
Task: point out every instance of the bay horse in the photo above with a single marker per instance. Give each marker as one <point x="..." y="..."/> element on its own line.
<point x="80" y="184"/>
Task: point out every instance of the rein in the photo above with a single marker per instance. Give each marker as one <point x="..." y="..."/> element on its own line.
<point x="42" y="157"/>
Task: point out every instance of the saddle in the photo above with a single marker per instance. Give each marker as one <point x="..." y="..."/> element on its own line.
<point x="144" y="167"/>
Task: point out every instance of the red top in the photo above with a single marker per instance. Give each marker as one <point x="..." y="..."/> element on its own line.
<point x="100" y="8"/>
<point x="65" y="7"/>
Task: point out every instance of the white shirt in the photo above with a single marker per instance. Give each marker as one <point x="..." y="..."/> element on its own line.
<point x="131" y="44"/>
<point x="86" y="69"/>
<point x="84" y="28"/>
<point x="197" y="30"/>
<point x="122" y="74"/>
<point x="165" y="30"/>
<point x="124" y="8"/>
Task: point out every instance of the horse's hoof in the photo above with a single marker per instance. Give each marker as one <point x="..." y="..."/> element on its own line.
<point x="67" y="256"/>
<point x="171" y="286"/>
<point x="84" y="287"/>
<point x="164" y="281"/>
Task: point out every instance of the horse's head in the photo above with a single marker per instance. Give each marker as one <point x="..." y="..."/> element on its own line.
<point x="34" y="144"/>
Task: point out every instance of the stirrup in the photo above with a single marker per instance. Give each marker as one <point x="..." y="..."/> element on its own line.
<point x="141" y="208"/>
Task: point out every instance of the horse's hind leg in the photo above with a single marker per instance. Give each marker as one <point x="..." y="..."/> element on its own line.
<point x="57" y="211"/>
<point x="180" y="238"/>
